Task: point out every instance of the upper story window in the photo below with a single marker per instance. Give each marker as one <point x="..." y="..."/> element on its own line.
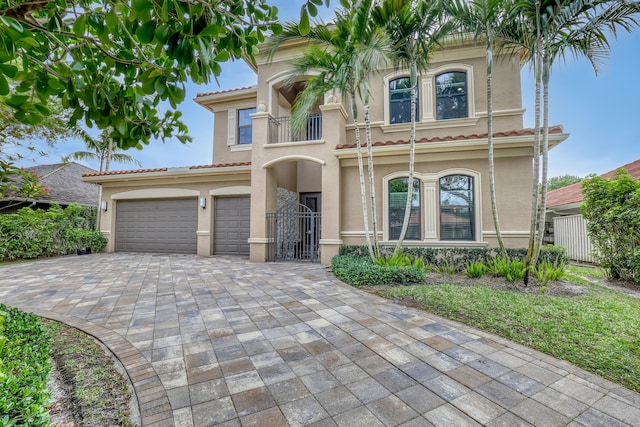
<point x="398" y="189"/>
<point x="400" y="101"/>
<point x="451" y="95"/>
<point x="244" y="125"/>
<point x="456" y="208"/>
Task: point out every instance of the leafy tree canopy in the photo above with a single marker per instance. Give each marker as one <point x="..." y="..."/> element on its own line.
<point x="562" y="181"/>
<point x="111" y="63"/>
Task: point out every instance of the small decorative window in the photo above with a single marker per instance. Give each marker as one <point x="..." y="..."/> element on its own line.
<point x="456" y="208"/>
<point x="400" y="101"/>
<point x="451" y="95"/>
<point x="244" y="125"/>
<point x="398" y="189"/>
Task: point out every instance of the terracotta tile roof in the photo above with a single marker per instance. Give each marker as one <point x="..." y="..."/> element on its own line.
<point x="200" y="95"/>
<point x="137" y="171"/>
<point x="520" y="132"/>
<point x="573" y="193"/>
<point x="221" y="165"/>
<point x="125" y="172"/>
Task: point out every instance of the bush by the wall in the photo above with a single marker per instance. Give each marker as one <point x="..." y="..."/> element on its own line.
<point x="457" y="258"/>
<point x="361" y="271"/>
<point x="24" y="369"/>
<point x="33" y="234"/>
<point x="611" y="207"/>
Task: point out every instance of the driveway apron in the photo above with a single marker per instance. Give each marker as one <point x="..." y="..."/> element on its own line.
<point x="222" y="341"/>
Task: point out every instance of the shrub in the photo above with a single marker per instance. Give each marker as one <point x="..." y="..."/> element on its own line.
<point x="24" y="369"/>
<point x="612" y="208"/>
<point x="361" y="271"/>
<point x="457" y="258"/>
<point x="33" y="234"/>
<point x="546" y="272"/>
<point x="511" y="269"/>
<point x="475" y="269"/>
<point x="403" y="260"/>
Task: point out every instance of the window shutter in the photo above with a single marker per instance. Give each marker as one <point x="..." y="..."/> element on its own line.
<point x="231" y="126"/>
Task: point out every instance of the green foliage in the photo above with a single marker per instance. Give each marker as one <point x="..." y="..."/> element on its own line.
<point x="446" y="267"/>
<point x="19" y="182"/>
<point x="111" y="64"/>
<point x="457" y="258"/>
<point x="361" y="271"/>
<point x="546" y="272"/>
<point x="33" y="234"/>
<point x="511" y="269"/>
<point x="403" y="260"/>
<point x="612" y="208"/>
<point x="24" y="369"/>
<point x="562" y="181"/>
<point x="475" y="269"/>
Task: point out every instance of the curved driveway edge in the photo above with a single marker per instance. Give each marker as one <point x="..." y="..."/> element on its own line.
<point x="221" y="341"/>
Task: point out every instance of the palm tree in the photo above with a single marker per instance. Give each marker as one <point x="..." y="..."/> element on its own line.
<point x="485" y="19"/>
<point x="101" y="149"/>
<point x="415" y="28"/>
<point x="552" y="29"/>
<point x="343" y="55"/>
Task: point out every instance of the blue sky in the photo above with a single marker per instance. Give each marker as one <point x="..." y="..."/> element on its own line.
<point x="601" y="114"/>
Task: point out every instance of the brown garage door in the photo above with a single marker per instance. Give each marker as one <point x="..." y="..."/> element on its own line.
<point x="231" y="229"/>
<point x="167" y="226"/>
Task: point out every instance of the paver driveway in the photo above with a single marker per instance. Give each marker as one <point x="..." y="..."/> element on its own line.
<point x="221" y="341"/>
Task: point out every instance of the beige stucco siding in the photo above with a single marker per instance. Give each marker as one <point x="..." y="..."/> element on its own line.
<point x="513" y="177"/>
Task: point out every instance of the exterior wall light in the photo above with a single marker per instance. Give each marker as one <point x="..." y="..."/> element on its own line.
<point x="203" y="202"/>
<point x="104" y="205"/>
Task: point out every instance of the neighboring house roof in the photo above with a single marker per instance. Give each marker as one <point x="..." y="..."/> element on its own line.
<point x="572" y="194"/>
<point x="65" y="184"/>
<point x="139" y="171"/>
<point x="521" y="132"/>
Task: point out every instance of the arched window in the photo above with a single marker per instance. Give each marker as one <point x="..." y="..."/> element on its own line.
<point x="400" y="101"/>
<point x="456" y="208"/>
<point x="451" y="95"/>
<point x="398" y="189"/>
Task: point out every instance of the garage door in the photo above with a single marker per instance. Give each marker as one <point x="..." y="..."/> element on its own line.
<point x="231" y="229"/>
<point x="167" y="226"/>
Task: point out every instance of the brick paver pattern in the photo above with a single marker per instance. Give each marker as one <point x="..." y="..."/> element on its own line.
<point x="222" y="341"/>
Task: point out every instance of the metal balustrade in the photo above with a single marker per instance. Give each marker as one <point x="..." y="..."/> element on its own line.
<point x="280" y="130"/>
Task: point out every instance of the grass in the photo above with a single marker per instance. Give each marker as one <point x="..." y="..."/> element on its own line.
<point x="100" y="392"/>
<point x="598" y="331"/>
<point x="587" y="270"/>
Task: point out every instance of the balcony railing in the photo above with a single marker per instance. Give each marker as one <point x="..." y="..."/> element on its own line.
<point x="280" y="130"/>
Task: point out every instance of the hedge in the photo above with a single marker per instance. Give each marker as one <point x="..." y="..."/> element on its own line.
<point x="25" y="365"/>
<point x="31" y="233"/>
<point x="361" y="271"/>
<point x="458" y="257"/>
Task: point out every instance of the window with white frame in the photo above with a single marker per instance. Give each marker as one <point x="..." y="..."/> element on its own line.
<point x="398" y="190"/>
<point x="456" y="208"/>
<point x="400" y="101"/>
<point x="444" y="207"/>
<point x="245" y="125"/>
<point x="451" y="95"/>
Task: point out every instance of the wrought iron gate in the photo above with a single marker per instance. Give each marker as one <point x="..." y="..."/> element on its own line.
<point x="295" y="230"/>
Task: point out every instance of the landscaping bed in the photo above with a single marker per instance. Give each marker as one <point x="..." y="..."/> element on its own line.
<point x="54" y="375"/>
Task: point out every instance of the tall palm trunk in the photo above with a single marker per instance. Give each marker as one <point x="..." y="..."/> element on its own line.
<point x="372" y="182"/>
<point x="542" y="207"/>
<point x="413" y="76"/>
<point x="363" y="191"/>
<point x="109" y="154"/>
<point x="537" y="66"/>
<point x="492" y="179"/>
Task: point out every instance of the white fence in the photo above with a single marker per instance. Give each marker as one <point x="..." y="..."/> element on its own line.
<point x="571" y="232"/>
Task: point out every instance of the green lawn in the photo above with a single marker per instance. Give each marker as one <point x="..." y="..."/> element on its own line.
<point x="598" y="331"/>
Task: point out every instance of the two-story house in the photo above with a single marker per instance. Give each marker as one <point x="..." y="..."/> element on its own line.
<point x="272" y="193"/>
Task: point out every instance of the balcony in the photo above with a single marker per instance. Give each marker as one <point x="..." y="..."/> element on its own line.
<point x="280" y="130"/>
